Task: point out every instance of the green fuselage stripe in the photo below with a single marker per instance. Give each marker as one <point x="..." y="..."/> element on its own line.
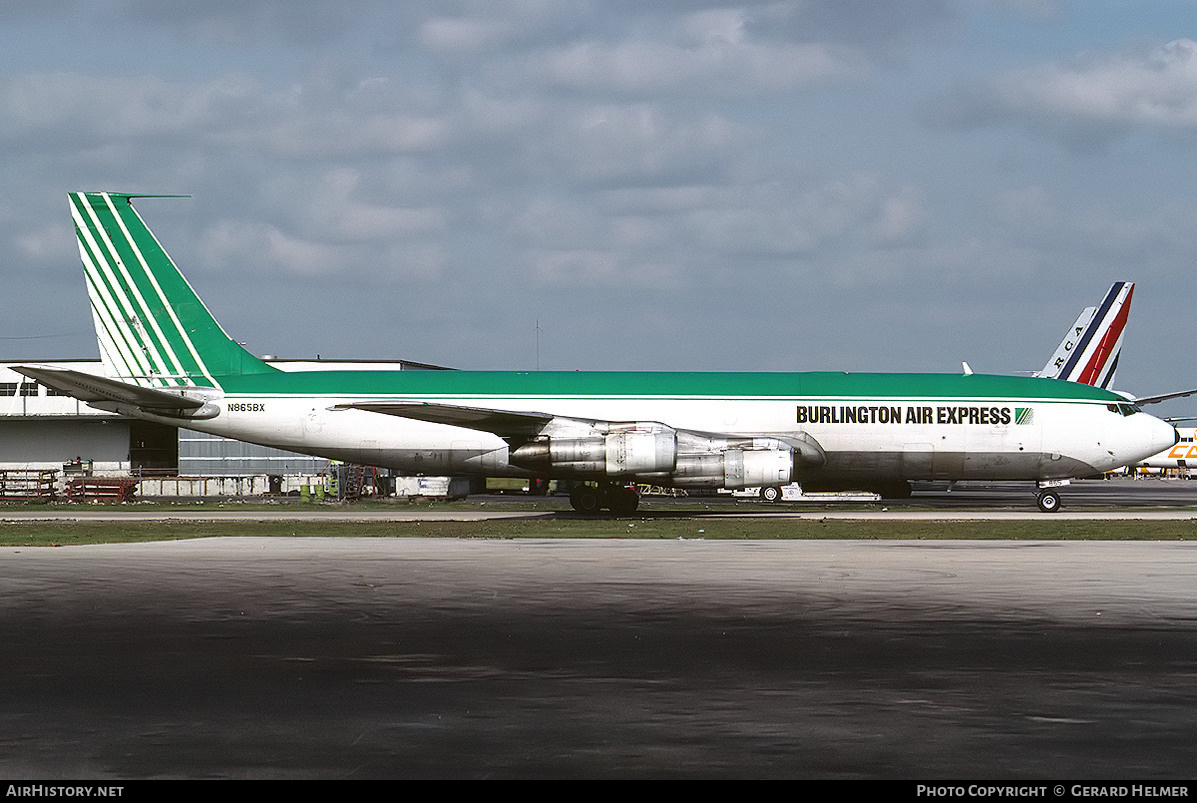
<point x="631" y="385"/>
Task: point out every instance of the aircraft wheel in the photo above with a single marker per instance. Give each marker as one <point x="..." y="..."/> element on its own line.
<point x="771" y="493"/>
<point x="586" y="499"/>
<point x="1049" y="501"/>
<point x="623" y="501"/>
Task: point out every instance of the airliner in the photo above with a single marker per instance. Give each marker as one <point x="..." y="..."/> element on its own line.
<point x="167" y="360"/>
<point x="1181" y="456"/>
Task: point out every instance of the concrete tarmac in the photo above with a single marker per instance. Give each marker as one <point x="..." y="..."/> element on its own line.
<point x="407" y="658"/>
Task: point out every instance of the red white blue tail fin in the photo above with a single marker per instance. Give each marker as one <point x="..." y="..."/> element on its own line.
<point x="1089" y="351"/>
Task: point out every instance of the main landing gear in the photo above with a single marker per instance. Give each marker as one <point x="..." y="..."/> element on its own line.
<point x="591" y="500"/>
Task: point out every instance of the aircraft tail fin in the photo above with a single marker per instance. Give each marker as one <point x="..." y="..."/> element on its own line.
<point x="1089" y="351"/>
<point x="152" y="328"/>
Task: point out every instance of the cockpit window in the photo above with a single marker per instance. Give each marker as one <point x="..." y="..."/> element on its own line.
<point x="1124" y="408"/>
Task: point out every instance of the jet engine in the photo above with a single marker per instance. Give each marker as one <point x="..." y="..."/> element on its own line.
<point x="653" y="452"/>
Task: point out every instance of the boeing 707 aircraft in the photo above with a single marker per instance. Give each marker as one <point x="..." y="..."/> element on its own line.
<point x="168" y="360"/>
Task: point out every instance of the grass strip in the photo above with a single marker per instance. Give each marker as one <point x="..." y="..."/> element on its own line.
<point x="56" y="533"/>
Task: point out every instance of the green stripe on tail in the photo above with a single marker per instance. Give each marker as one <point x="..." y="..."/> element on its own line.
<point x="152" y="328"/>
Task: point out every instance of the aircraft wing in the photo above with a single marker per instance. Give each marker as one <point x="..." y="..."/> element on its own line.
<point x="528" y="429"/>
<point x="1141" y="400"/>
<point x="506" y="424"/>
<point x="106" y="393"/>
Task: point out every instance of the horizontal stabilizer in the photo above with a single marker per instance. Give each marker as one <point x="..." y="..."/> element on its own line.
<point x="504" y="423"/>
<point x="100" y="390"/>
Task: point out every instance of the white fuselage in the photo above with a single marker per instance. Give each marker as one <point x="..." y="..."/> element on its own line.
<point x="899" y="439"/>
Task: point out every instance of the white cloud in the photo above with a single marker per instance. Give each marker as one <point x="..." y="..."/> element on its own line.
<point x="639" y="143"/>
<point x="335" y="209"/>
<point x="84" y="107"/>
<point x="230" y="111"/>
<point x="49" y="242"/>
<point x="586" y="266"/>
<point x="900" y="217"/>
<point x="333" y="228"/>
<point x="1027" y="208"/>
<point x="334" y="133"/>
<point x="859" y="210"/>
<point x="240" y="244"/>
<point x="1091" y="98"/>
<point x="464" y="34"/>
<point x="1155" y="88"/>
<point x="471" y="27"/>
<point x="642" y="66"/>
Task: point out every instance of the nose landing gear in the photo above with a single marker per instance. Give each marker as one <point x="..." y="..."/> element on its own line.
<point x="1049" y="500"/>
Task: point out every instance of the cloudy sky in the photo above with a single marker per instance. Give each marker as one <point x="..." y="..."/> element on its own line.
<point x="793" y="185"/>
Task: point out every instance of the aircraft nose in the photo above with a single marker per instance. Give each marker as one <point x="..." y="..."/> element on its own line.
<point x="1163" y="435"/>
<point x="1144" y="436"/>
<point x="1171" y="436"/>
